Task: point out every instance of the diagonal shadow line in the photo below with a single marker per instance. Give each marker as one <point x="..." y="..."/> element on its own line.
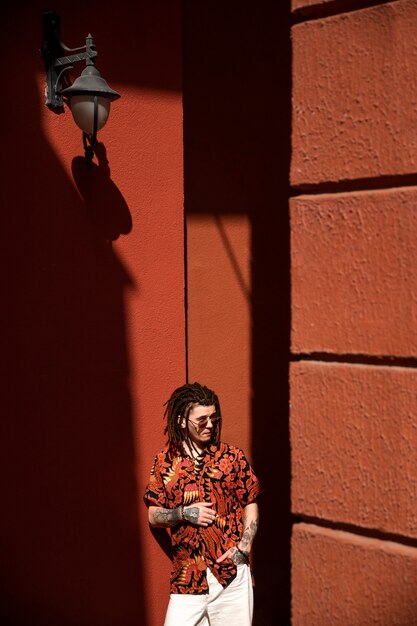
<point x="232" y="258"/>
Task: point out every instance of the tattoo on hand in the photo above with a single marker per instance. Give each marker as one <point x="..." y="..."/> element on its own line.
<point x="237" y="557"/>
<point x="167" y="517"/>
<point x="191" y="514"/>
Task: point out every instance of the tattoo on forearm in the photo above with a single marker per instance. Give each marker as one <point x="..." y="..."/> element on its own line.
<point x="167" y="517"/>
<point x="249" y="533"/>
<point x="191" y="514"/>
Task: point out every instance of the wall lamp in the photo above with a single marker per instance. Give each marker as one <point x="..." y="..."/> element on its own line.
<point x="89" y="96"/>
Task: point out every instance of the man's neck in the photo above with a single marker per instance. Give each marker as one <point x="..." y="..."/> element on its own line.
<point x="193" y="450"/>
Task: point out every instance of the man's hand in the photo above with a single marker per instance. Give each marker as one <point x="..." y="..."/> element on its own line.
<point x="235" y="555"/>
<point x="200" y="513"/>
<point x="240" y="554"/>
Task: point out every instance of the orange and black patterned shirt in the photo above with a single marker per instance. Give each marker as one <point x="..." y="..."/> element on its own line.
<point x="221" y="475"/>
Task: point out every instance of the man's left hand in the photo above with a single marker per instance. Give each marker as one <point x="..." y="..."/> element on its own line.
<point x="233" y="553"/>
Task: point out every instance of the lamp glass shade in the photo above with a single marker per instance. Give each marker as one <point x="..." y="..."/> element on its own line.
<point x="82" y="109"/>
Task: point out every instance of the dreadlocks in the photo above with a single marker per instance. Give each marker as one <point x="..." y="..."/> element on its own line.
<point x="178" y="407"/>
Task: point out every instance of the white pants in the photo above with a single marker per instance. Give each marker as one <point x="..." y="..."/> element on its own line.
<point x="230" y="606"/>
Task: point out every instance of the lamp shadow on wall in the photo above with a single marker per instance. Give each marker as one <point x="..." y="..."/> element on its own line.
<point x="237" y="126"/>
<point x="71" y="549"/>
<point x="70" y="501"/>
<point x="105" y="205"/>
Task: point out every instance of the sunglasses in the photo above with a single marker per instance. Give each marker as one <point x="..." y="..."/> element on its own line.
<point x="203" y="421"/>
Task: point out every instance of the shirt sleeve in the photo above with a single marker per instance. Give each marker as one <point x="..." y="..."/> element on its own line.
<point x="248" y="486"/>
<point x="155" y="491"/>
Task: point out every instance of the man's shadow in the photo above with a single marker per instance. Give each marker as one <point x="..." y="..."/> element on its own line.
<point x="163" y="537"/>
<point x="107" y="209"/>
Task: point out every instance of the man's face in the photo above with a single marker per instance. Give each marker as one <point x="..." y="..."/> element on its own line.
<point x="200" y="424"/>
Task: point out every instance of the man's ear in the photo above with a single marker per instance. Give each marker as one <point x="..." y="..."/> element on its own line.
<point x="181" y="421"/>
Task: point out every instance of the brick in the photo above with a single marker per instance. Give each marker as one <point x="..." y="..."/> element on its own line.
<point x="353" y="435"/>
<point x="298" y="5"/>
<point x="342" y="579"/>
<point x="354" y="273"/>
<point x="355" y="95"/>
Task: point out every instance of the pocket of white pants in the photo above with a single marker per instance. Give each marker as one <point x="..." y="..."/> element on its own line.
<point x="241" y="568"/>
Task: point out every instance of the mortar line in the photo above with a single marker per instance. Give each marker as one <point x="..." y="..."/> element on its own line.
<point x="372" y="533"/>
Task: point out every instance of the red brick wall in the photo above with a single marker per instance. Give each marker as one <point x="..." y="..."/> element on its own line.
<point x="353" y="381"/>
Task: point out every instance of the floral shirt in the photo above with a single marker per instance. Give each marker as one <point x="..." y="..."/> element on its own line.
<point x="222" y="475"/>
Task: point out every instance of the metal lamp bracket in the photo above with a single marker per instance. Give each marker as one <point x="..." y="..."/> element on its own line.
<point x="56" y="63"/>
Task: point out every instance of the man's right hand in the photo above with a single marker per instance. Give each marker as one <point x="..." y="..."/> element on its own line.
<point x="200" y="513"/>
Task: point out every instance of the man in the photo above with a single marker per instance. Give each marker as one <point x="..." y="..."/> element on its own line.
<point x="205" y="492"/>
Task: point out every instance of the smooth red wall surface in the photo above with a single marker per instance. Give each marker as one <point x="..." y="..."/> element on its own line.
<point x="236" y="158"/>
<point x="219" y="339"/>
<point x="93" y="332"/>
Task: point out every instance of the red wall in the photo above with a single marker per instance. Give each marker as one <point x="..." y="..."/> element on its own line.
<point x="354" y="342"/>
<point x="94" y="333"/>
<point x="219" y="338"/>
<point x="236" y="156"/>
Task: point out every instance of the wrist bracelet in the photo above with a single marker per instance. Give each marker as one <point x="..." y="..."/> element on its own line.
<point x="245" y="554"/>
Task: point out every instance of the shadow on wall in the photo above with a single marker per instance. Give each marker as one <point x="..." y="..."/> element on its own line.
<point x="69" y="527"/>
<point x="71" y="539"/>
<point x="104" y="203"/>
<point x="237" y="120"/>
